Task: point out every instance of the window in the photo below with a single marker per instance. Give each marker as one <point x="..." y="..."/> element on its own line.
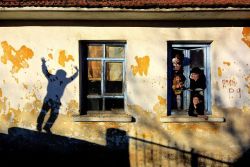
<point x="185" y="62"/>
<point x="102" y="77"/>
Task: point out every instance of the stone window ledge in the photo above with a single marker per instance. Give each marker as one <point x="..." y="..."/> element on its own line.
<point x="103" y="117"/>
<point x="189" y="119"/>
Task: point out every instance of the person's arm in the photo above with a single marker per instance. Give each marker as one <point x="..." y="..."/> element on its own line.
<point x="45" y="69"/>
<point x="74" y="75"/>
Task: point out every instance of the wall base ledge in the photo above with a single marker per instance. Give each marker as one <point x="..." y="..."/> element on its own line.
<point x="189" y="119"/>
<point x="103" y="117"/>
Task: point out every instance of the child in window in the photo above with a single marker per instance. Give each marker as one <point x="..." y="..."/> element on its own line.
<point x="177" y="63"/>
<point x="178" y="86"/>
<point x="197" y="79"/>
<point x="196" y="108"/>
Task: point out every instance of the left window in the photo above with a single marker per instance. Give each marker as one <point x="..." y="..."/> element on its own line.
<point x="102" y="79"/>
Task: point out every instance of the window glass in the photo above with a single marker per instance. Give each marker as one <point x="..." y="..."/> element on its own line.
<point x="114" y="51"/>
<point x="95" y="51"/>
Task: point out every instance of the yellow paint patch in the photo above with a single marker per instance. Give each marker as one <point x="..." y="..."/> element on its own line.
<point x="1" y="93"/>
<point x="246" y="109"/>
<point x="219" y="72"/>
<point x="72" y="106"/>
<point x="227" y="63"/>
<point x="162" y="100"/>
<point x="246" y="35"/>
<point x="142" y="65"/>
<point x="18" y="58"/>
<point x="25" y="86"/>
<point x="63" y="58"/>
<point x="3" y="104"/>
<point x="161" y="106"/>
<point x="50" y="56"/>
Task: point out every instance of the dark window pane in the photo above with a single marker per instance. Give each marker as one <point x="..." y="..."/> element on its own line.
<point x="115" y="51"/>
<point x="94" y="87"/>
<point x="94" y="104"/>
<point x="113" y="104"/>
<point x="197" y="58"/>
<point x="114" y="77"/>
<point x="95" y="51"/>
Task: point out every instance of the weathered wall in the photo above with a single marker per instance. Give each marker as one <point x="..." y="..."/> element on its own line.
<point x="23" y="87"/>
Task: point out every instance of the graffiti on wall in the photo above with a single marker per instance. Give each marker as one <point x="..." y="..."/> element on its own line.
<point x="248" y="83"/>
<point x="231" y="85"/>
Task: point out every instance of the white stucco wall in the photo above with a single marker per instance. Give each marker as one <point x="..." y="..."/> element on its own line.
<point x="227" y="46"/>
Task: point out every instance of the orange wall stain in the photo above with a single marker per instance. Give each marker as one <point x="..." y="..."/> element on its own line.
<point x="18" y="58"/>
<point x="142" y="65"/>
<point x="50" y="56"/>
<point x="3" y="104"/>
<point x="161" y="106"/>
<point x="72" y="106"/>
<point x="63" y="58"/>
<point x="162" y="100"/>
<point x="246" y="35"/>
<point x="219" y="72"/>
<point x="227" y="63"/>
<point x="25" y="86"/>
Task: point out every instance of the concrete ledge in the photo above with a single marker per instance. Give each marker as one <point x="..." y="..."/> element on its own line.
<point x="189" y="119"/>
<point x="103" y="117"/>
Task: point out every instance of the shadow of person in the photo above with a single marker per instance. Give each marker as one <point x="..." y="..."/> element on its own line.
<point x="52" y="100"/>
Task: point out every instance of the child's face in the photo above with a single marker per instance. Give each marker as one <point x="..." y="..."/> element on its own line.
<point x="178" y="78"/>
<point x="194" y="76"/>
<point x="196" y="100"/>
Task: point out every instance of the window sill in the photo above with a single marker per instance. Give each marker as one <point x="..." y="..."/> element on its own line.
<point x="189" y="119"/>
<point x="103" y="117"/>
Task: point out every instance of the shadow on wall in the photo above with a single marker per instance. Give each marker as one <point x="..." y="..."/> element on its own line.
<point x="52" y="101"/>
<point x="26" y="146"/>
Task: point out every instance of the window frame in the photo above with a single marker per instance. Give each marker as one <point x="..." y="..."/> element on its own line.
<point x="83" y="61"/>
<point x="206" y="45"/>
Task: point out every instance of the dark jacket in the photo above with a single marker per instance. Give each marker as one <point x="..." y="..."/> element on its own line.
<point x="198" y="111"/>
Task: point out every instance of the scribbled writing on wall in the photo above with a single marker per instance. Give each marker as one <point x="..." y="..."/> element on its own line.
<point x="142" y="66"/>
<point x="246" y="36"/>
<point x="18" y="58"/>
<point x="231" y="85"/>
<point x="248" y="83"/>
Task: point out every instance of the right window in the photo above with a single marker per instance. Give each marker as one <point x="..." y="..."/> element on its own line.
<point x="189" y="83"/>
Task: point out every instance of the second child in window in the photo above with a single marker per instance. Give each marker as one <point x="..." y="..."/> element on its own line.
<point x="178" y="86"/>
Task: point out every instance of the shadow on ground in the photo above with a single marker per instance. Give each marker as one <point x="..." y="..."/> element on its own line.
<point x="24" y="146"/>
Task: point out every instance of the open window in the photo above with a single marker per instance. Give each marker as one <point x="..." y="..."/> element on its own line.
<point x="102" y="79"/>
<point x="184" y="60"/>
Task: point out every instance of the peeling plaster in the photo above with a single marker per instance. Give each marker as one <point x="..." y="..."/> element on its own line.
<point x="246" y="35"/>
<point x="227" y="63"/>
<point x="161" y="106"/>
<point x="18" y="58"/>
<point x="64" y="58"/>
<point x="142" y="65"/>
<point x="219" y="72"/>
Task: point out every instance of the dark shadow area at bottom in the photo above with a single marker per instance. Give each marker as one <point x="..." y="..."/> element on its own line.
<point x="244" y="160"/>
<point x="27" y="147"/>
